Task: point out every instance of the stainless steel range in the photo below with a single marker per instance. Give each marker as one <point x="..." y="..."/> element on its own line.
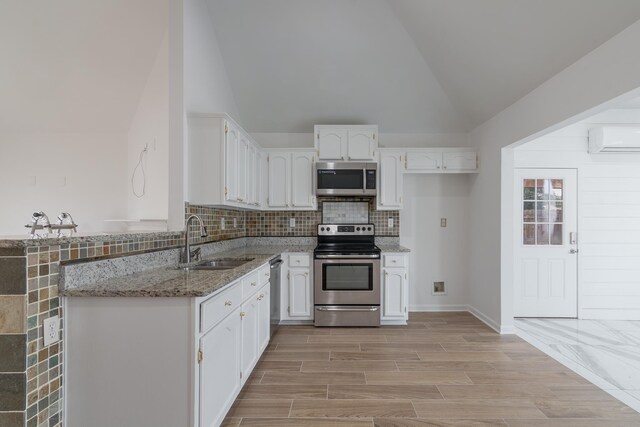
<point x="347" y="276"/>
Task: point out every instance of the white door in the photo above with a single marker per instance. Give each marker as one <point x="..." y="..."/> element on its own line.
<point x="546" y="259"/>
<point x="263" y="179"/>
<point x="232" y="140"/>
<point x="279" y="180"/>
<point x="462" y="160"/>
<point x="361" y="144"/>
<point x="264" y="317"/>
<point x="331" y="143"/>
<point x="302" y="179"/>
<point x="390" y="181"/>
<point x="299" y="293"/>
<point x="220" y="370"/>
<point x="249" y="316"/>
<point x="393" y="293"/>
<point x="252" y="176"/>
<point x="424" y="160"/>
<point x="243" y="157"/>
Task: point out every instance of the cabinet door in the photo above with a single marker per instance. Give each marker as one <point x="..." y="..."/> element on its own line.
<point x="279" y="180"/>
<point x="220" y="370"/>
<point x="393" y="293"/>
<point x="424" y="160"/>
<point x="361" y="145"/>
<point x="264" y="317"/>
<point x="331" y="144"/>
<point x="459" y="161"/>
<point x="243" y="156"/>
<point x="390" y="181"/>
<point x="299" y="292"/>
<point x="302" y="180"/>
<point x="232" y="140"/>
<point x="249" y="316"/>
<point x="252" y="176"/>
<point x="263" y="179"/>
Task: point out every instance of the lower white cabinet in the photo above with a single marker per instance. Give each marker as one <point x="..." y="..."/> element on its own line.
<point x="264" y="317"/>
<point x="249" y="316"/>
<point x="395" y="289"/>
<point x="220" y="380"/>
<point x="297" y="288"/>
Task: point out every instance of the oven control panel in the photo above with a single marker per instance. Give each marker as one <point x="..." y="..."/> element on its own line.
<point x="346" y="229"/>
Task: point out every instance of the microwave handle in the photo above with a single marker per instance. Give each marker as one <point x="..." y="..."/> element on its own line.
<point x="364" y="180"/>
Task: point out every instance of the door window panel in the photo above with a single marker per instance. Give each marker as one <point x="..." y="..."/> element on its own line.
<point x="542" y="211"/>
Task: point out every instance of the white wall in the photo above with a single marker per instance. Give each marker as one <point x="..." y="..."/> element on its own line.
<point x="206" y="84"/>
<point x="150" y="128"/>
<point x="577" y="92"/>
<point x="608" y="219"/>
<point x="437" y="254"/>
<point x="80" y="173"/>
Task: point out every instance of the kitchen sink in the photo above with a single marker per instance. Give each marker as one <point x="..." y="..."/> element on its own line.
<point x="217" y="264"/>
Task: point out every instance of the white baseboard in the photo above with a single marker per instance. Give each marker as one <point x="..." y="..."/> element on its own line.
<point x="438" y="307"/>
<point x="490" y="322"/>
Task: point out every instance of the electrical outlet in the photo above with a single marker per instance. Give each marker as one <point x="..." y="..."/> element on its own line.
<point x="235" y="222"/>
<point x="390" y="222"/>
<point x="222" y="224"/>
<point x="292" y="222"/>
<point x="443" y="222"/>
<point x="51" y="330"/>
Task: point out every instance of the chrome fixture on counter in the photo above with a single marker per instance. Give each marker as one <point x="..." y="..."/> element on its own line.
<point x="188" y="253"/>
<point x="40" y="221"/>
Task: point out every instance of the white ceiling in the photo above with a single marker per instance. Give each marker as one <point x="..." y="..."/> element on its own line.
<point x="76" y="65"/>
<point x="408" y="65"/>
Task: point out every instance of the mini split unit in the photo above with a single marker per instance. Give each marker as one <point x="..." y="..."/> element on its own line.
<point x="614" y="139"/>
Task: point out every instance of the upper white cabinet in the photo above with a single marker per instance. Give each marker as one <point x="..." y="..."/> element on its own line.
<point x="390" y="179"/>
<point x="223" y="168"/>
<point x="291" y="179"/>
<point x="441" y="160"/>
<point x="346" y="142"/>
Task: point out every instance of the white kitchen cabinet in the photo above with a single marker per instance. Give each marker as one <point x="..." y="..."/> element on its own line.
<point x="394" y="289"/>
<point x="390" y="180"/>
<point x="249" y="316"/>
<point x="222" y="163"/>
<point x="279" y="172"/>
<point x="263" y="180"/>
<point x="220" y="380"/>
<point x="348" y="142"/>
<point x="441" y="160"/>
<point x="291" y="180"/>
<point x="264" y="317"/>
<point x="297" y="288"/>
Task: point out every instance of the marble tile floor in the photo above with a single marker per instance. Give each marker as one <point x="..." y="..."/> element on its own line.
<point x="606" y="352"/>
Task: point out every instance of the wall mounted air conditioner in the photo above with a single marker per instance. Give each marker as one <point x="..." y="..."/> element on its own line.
<point x="614" y="139"/>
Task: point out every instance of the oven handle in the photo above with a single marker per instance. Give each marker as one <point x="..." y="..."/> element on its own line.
<point x="347" y="256"/>
<point x="347" y="309"/>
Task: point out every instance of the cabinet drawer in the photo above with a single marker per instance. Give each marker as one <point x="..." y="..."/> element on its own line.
<point x="394" y="261"/>
<point x="265" y="274"/>
<point x="250" y="284"/>
<point x="299" y="261"/>
<point x="218" y="307"/>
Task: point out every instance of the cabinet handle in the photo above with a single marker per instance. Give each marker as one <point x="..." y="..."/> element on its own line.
<point x="386" y="273"/>
<point x="227" y="303"/>
<point x="306" y="273"/>
<point x="394" y="261"/>
<point x="242" y="314"/>
<point x="253" y="283"/>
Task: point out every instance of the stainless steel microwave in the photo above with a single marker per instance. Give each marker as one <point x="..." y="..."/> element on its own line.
<point x="346" y="179"/>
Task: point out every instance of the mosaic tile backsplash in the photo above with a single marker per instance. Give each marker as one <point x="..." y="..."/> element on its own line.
<point x="31" y="374"/>
<point x="345" y="212"/>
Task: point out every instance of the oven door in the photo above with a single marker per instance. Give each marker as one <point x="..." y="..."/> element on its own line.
<point x="347" y="281"/>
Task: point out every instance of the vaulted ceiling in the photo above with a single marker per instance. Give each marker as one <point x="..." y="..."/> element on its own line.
<point x="430" y="66"/>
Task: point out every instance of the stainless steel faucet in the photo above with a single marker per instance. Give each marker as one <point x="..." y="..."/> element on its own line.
<point x="188" y="253"/>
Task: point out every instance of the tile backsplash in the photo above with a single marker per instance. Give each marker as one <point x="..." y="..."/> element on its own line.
<point x="345" y="212"/>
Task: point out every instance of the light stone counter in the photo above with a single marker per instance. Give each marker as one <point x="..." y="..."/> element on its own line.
<point x="166" y="281"/>
<point x="393" y="248"/>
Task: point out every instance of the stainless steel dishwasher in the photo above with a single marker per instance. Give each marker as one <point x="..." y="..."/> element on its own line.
<point x="274" y="281"/>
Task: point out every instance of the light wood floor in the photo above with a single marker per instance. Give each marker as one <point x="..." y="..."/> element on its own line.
<point x="443" y="369"/>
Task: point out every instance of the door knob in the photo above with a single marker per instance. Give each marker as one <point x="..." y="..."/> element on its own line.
<point x="573" y="251"/>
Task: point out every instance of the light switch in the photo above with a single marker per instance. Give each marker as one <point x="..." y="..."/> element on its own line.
<point x="292" y="222"/>
<point x="221" y="223"/>
<point x="443" y="222"/>
<point x="235" y="222"/>
<point x="390" y="222"/>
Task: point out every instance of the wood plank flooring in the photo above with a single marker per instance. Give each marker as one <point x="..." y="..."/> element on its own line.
<point x="443" y="369"/>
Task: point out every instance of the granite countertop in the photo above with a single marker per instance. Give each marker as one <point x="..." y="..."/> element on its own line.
<point x="393" y="248"/>
<point x="23" y="241"/>
<point x="169" y="282"/>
